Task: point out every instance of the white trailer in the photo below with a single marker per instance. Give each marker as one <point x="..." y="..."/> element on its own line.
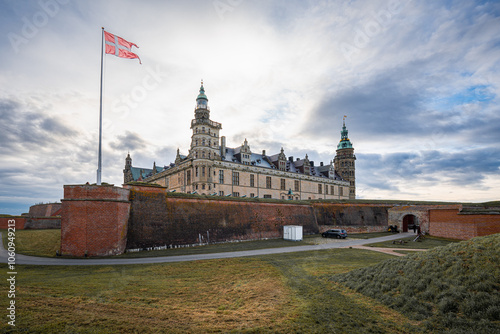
<point x="292" y="232"/>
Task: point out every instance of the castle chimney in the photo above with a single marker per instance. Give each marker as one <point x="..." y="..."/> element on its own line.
<point x="321" y="163"/>
<point x="290" y="159"/>
<point x="223" y="146"/>
<point x="263" y="152"/>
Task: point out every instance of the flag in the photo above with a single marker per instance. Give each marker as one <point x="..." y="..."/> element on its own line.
<point x="119" y="47"/>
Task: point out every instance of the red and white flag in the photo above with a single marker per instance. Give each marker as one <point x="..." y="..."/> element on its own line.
<point x="119" y="47"/>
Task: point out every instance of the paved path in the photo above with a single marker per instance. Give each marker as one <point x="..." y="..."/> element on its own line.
<point x="33" y="260"/>
<point x="390" y="251"/>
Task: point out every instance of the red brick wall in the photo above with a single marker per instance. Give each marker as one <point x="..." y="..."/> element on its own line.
<point x="94" y="220"/>
<point x="159" y="219"/>
<point x="452" y="224"/>
<point x="20" y="221"/>
<point x="44" y="210"/>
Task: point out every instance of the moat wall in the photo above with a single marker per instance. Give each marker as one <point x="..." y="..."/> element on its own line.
<point x="158" y="218"/>
<point x="106" y="220"/>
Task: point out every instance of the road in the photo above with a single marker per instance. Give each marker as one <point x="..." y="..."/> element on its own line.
<point x="47" y="261"/>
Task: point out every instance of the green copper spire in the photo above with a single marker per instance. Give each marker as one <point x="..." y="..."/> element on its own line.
<point x="344" y="138"/>
<point x="202" y="95"/>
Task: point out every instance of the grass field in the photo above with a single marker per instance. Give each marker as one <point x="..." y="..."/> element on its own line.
<point x="275" y="294"/>
<point x="286" y="293"/>
<point x="36" y="242"/>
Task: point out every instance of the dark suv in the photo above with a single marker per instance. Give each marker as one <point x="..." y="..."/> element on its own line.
<point x="334" y="234"/>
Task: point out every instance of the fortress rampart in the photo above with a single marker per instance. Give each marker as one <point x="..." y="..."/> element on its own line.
<point x="107" y="220"/>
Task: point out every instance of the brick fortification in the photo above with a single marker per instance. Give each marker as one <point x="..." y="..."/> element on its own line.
<point x="157" y="219"/>
<point x="94" y="220"/>
<point x="463" y="225"/>
<point x="106" y="220"/>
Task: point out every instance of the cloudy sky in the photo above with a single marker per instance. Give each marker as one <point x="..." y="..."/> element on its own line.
<point x="419" y="82"/>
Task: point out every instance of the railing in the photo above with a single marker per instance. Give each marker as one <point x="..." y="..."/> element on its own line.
<point x="206" y="121"/>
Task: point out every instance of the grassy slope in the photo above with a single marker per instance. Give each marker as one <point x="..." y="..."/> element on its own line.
<point x="453" y="288"/>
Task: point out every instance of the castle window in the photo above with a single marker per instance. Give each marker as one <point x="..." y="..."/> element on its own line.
<point x="236" y="194"/>
<point x="267" y="196"/>
<point x="196" y="171"/>
<point x="203" y="129"/>
<point x="196" y="142"/>
<point x="252" y="180"/>
<point x="203" y="142"/>
<point x="209" y="143"/>
<point x="326" y="189"/>
<point x="268" y="182"/>
<point x="203" y="171"/>
<point x="188" y="177"/>
<point x="341" y="189"/>
<point x="320" y="189"/>
<point x="332" y="190"/>
<point x="221" y="176"/>
<point x="236" y="178"/>
<point x="283" y="185"/>
<point x="221" y="193"/>
<point x="297" y="185"/>
<point x="252" y="195"/>
<point x="202" y="187"/>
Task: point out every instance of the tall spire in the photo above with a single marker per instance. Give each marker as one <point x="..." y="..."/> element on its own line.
<point x="202" y="95"/>
<point x="344" y="138"/>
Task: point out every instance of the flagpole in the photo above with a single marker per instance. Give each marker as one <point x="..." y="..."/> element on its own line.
<point x="99" y="161"/>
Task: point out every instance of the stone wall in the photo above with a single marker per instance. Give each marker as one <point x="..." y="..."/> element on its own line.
<point x="39" y="223"/>
<point x="105" y="220"/>
<point x="94" y="220"/>
<point x="451" y="223"/>
<point x="354" y="218"/>
<point x="420" y="212"/>
<point x="158" y="219"/>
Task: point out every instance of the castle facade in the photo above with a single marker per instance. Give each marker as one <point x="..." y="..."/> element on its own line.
<point x="212" y="168"/>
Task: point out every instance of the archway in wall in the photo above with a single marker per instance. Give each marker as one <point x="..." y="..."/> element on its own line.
<point x="407" y="221"/>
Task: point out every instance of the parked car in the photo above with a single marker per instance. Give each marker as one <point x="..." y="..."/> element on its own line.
<point x="334" y="234"/>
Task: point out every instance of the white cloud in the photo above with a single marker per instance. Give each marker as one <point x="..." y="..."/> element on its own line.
<point x="275" y="73"/>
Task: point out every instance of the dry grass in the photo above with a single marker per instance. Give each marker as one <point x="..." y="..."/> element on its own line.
<point x="198" y="297"/>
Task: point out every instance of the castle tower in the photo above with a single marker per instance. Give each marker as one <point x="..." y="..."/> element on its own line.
<point x="127" y="171"/>
<point x="344" y="161"/>
<point x="204" y="146"/>
<point x="205" y="138"/>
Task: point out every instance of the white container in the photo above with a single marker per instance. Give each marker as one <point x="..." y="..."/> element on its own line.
<point x="292" y="232"/>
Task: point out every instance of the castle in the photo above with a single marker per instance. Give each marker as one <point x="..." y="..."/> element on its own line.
<point x="212" y="168"/>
